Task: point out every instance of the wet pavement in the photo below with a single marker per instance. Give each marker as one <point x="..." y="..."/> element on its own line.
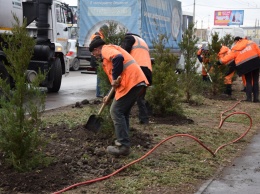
<point x="75" y="87"/>
<point x="241" y="177"/>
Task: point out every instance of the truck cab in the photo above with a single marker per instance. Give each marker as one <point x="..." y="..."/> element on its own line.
<point x="47" y="23"/>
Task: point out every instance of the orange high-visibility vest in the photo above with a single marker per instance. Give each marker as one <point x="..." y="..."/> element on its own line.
<point x="204" y="61"/>
<point x="132" y="73"/>
<point x="140" y="52"/>
<point x="222" y="53"/>
<point x="97" y="34"/>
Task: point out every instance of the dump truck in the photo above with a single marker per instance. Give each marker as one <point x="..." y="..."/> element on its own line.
<point x="147" y="18"/>
<point x="47" y="23"/>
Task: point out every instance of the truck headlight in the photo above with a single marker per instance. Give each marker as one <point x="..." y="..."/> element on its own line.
<point x="59" y="48"/>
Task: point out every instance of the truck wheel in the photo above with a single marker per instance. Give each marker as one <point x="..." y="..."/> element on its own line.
<point x="3" y="73"/>
<point x="57" y="72"/>
<point x="75" y="65"/>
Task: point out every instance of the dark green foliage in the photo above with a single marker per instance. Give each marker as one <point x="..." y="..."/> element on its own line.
<point x="164" y="95"/>
<point x="114" y="34"/>
<point x="190" y="80"/>
<point x="217" y="72"/>
<point x="227" y="40"/>
<point x="20" y="121"/>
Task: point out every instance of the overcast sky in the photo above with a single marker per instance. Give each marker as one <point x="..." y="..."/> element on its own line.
<point x="204" y="10"/>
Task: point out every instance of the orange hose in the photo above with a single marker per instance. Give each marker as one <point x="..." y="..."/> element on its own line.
<point x="156" y="146"/>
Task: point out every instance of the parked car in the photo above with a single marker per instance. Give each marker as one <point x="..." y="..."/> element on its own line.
<point x="71" y="56"/>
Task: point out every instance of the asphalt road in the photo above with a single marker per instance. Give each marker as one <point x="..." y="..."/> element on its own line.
<point x="75" y="87"/>
<point x="241" y="177"/>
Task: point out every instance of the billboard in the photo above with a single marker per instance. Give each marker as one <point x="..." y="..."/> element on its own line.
<point x="229" y="17"/>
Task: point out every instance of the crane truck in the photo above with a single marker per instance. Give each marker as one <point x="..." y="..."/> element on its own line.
<point x="47" y="23"/>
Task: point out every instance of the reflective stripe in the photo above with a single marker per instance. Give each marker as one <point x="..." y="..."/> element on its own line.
<point x="248" y="59"/>
<point x="230" y="62"/>
<point x="128" y="64"/>
<point x="139" y="45"/>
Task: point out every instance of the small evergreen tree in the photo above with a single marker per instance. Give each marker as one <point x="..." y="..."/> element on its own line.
<point x="164" y="96"/>
<point x="190" y="80"/>
<point x="227" y="40"/>
<point x="217" y="72"/>
<point x="20" y="108"/>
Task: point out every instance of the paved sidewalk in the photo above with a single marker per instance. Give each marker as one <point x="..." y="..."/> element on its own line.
<point x="242" y="177"/>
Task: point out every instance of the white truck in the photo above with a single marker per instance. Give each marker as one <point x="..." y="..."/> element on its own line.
<point x="224" y="30"/>
<point x="47" y="23"/>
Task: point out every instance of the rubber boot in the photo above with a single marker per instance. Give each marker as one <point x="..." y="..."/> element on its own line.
<point x="248" y="96"/>
<point x="256" y="96"/>
<point x="228" y="89"/>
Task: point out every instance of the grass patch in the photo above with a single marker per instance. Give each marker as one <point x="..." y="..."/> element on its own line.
<point x="181" y="161"/>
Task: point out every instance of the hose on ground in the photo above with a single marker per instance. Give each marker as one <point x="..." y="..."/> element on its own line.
<point x="168" y="138"/>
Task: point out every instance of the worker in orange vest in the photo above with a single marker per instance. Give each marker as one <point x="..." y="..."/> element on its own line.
<point x="93" y="60"/>
<point x="203" y="57"/>
<point x="246" y="55"/>
<point x="100" y="33"/>
<point x="118" y="62"/>
<point x="224" y="50"/>
<point x="139" y="50"/>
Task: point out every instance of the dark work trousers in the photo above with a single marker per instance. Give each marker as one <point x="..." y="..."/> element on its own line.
<point x="143" y="112"/>
<point x="120" y="111"/>
<point x="252" y="87"/>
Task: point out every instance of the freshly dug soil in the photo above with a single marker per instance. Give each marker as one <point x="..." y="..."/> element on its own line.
<point x="77" y="153"/>
<point x="80" y="155"/>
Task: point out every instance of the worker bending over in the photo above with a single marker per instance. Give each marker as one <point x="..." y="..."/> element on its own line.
<point x="118" y="62"/>
<point x="246" y="55"/>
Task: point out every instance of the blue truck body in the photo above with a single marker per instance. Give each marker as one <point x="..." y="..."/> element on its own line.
<point x="148" y="18"/>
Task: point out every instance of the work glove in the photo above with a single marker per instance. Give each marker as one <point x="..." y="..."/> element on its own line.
<point x="116" y="83"/>
<point x="106" y="100"/>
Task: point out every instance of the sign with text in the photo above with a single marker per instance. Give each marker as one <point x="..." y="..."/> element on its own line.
<point x="229" y="17"/>
<point x="147" y="18"/>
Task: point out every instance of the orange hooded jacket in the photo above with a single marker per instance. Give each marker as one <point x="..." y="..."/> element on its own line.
<point x="222" y="53"/>
<point x="246" y="55"/>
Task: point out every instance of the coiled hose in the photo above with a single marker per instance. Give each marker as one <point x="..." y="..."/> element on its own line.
<point x="168" y="138"/>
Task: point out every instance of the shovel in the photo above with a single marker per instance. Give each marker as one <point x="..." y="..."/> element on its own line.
<point x="94" y="121"/>
<point x="207" y="72"/>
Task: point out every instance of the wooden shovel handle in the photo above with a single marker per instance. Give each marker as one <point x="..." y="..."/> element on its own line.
<point x="111" y="92"/>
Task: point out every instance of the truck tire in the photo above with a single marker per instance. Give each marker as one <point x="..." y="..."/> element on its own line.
<point x="3" y="73"/>
<point x="57" y="72"/>
<point x="75" y="65"/>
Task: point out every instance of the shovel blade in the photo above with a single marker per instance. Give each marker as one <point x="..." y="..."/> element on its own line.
<point x="93" y="124"/>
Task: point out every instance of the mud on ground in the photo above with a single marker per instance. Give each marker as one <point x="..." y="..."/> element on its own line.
<point x="80" y="155"/>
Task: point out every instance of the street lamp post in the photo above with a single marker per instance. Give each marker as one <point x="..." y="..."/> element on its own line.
<point x="201" y="34"/>
<point x="201" y="30"/>
<point x="194" y="12"/>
